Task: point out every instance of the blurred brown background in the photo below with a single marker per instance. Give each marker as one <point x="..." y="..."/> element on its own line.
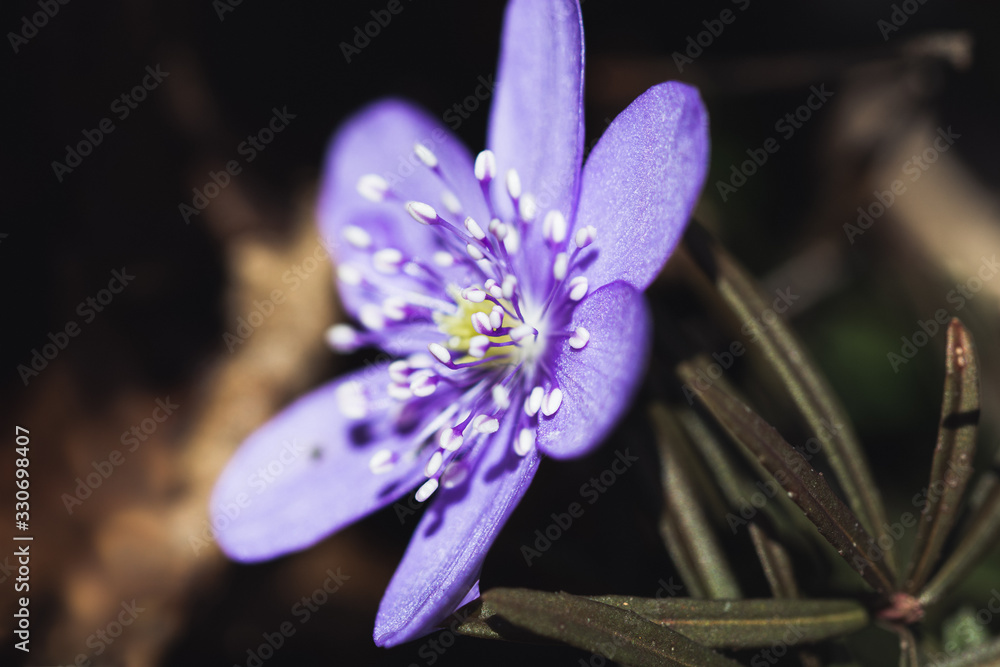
<point x="139" y="538"/>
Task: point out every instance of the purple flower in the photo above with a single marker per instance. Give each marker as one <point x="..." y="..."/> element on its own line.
<point x="508" y="288"/>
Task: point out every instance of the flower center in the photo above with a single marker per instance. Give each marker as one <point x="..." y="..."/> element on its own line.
<point x="491" y="360"/>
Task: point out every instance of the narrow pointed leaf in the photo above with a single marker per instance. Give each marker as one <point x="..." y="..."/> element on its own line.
<point x="956" y="446"/>
<point x="611" y="631"/>
<point x="688" y="534"/>
<point x="807" y="488"/>
<point x="743" y="624"/>
<point x="987" y="655"/>
<point x="981" y="536"/>
<point x="806" y="386"/>
<point x="776" y="563"/>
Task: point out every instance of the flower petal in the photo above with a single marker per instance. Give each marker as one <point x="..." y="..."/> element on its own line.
<point x="641" y="183"/>
<point x="306" y="473"/>
<point x="442" y="564"/>
<point x="380" y="140"/>
<point x="536" y="123"/>
<point x="598" y="382"/>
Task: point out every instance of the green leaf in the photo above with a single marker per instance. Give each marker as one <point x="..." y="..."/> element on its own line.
<point x="806" y="487"/>
<point x="688" y="534"/>
<point x="956" y="446"/>
<point x="776" y="563"/>
<point x="807" y="387"/>
<point x="747" y="624"/>
<point x="980" y="537"/>
<point x="613" y="632"/>
<point x="987" y="655"/>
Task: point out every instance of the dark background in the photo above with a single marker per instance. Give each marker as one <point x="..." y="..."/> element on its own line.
<point x="164" y="334"/>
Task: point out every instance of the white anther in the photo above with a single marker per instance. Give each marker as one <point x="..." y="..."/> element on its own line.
<point x="419" y="360"/>
<point x="372" y="187"/>
<point x="552" y="402"/>
<point x="486" y="166"/>
<point x="478" y="346"/>
<point x="474" y="252"/>
<point x="481" y="323"/>
<point x="426" y="489"/>
<point x="399" y="371"/>
<point x="474" y="229"/>
<point x="425" y="155"/>
<point x="513" y="182"/>
<point x="382" y="462"/>
<point x="561" y="266"/>
<point x="554" y="226"/>
<point x="498" y="229"/>
<point x="578" y="288"/>
<point x="496" y="291"/>
<point x="485" y="425"/>
<point x="520" y="333"/>
<point x="437" y="458"/>
<point x="451" y="202"/>
<point x="450" y="440"/>
<point x="387" y="260"/>
<point x="351" y="400"/>
<point x="496" y="317"/>
<point x="501" y="396"/>
<point x="421" y="212"/>
<point x="357" y="237"/>
<point x="440" y="352"/>
<point x="454" y="475"/>
<point x="485" y="265"/>
<point x="579" y="339"/>
<point x="585" y="236"/>
<point x="444" y="259"/>
<point x="509" y="285"/>
<point x="473" y="294"/>
<point x="342" y="337"/>
<point x="394" y="308"/>
<point x="349" y="275"/>
<point x="371" y="316"/>
<point x="525" y="441"/>
<point x="526" y="207"/>
<point x="533" y="403"/>
<point x="423" y="383"/>
<point x="512" y="241"/>
<point x="400" y="392"/>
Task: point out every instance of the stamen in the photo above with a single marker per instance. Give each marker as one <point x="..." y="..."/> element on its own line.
<point x="561" y="266"/>
<point x="473" y="294"/>
<point x="426" y="489"/>
<point x="422" y="213"/>
<point x="533" y="403"/>
<point x="425" y="155"/>
<point x="486" y="166"/>
<point x="485" y="425"/>
<point x="496" y="317"/>
<point x="343" y="338"/>
<point x="373" y="187"/>
<point x="371" y="316"/>
<point x="554" y="227"/>
<point x="349" y="275"/>
<point x="454" y="475"/>
<point x="509" y="284"/>
<point x="478" y="346"/>
<point x="440" y="352"/>
<point x="527" y="208"/>
<point x="394" y="308"/>
<point x="357" y="237"/>
<point x="579" y="339"/>
<point x="387" y="260"/>
<point x="578" y="288"/>
<point x="437" y="458"/>
<point x="481" y="323"/>
<point x="521" y="332"/>
<point x="399" y="392"/>
<point x="424" y="383"/>
<point x="513" y="183"/>
<point x="474" y="229"/>
<point x="501" y="396"/>
<point x="525" y="441"/>
<point x="552" y="402"/>
<point x="383" y="461"/>
<point x="444" y="259"/>
<point x="451" y="202"/>
<point x="585" y="236"/>
<point x="450" y="440"/>
<point x="474" y="252"/>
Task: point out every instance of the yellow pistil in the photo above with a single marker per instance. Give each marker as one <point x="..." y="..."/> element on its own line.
<point x="459" y="329"/>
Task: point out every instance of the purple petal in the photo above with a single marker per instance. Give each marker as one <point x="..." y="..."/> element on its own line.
<point x="380" y="140"/>
<point x="305" y="474"/>
<point x="442" y="564"/>
<point x="642" y="181"/>
<point x="598" y="382"/>
<point x="536" y="123"/>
